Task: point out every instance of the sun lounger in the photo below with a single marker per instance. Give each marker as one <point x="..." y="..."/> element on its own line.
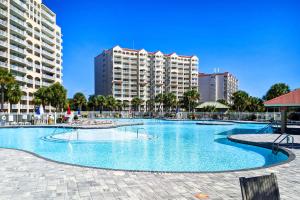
<point x="260" y="188"/>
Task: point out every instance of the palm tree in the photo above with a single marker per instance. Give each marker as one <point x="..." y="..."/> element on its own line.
<point x="136" y="102"/>
<point x="276" y="90"/>
<point x="160" y="100"/>
<point x="110" y="103"/>
<point x="240" y="100"/>
<point x="150" y="104"/>
<point x="6" y="78"/>
<point x="190" y="99"/>
<point x="170" y="101"/>
<point x="58" y="96"/>
<point x="93" y="102"/>
<point x="101" y="102"/>
<point x="14" y="94"/>
<point x="255" y="105"/>
<point x="79" y="100"/>
<point x="119" y="105"/>
<point x="43" y="96"/>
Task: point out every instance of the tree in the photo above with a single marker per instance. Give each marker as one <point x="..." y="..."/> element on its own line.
<point x="58" y="96"/>
<point x="119" y="105"/>
<point x="240" y="101"/>
<point x="79" y="100"/>
<point x="160" y="100"/>
<point x="255" y="104"/>
<point x="209" y="109"/>
<point x="170" y="101"/>
<point x="101" y="102"/>
<point x="190" y="99"/>
<point x="6" y="79"/>
<point x="150" y="104"/>
<point x="14" y="94"/>
<point x="136" y="102"/>
<point x="223" y="101"/>
<point x="276" y="90"/>
<point x="43" y="96"/>
<point x="93" y="102"/>
<point x="110" y="103"/>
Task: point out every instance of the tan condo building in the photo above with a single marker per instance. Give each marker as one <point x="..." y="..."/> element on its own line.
<point x="216" y="86"/>
<point x="128" y="73"/>
<point x="30" y="47"/>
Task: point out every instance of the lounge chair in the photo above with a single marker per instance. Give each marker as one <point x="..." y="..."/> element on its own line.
<point x="260" y="188"/>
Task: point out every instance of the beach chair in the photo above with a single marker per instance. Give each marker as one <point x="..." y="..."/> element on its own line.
<point x="260" y="188"/>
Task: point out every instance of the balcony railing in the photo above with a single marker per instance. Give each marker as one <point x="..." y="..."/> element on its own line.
<point x="20" y="22"/>
<point x="17" y="30"/>
<point x="16" y="58"/>
<point x="3" y="22"/>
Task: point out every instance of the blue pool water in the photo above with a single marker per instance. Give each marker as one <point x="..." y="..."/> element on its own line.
<point x="174" y="146"/>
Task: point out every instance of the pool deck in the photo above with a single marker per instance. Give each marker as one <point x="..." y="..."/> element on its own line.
<point x="25" y="176"/>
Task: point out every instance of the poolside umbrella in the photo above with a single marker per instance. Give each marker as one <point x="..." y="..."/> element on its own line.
<point x="68" y="110"/>
<point x="37" y="110"/>
<point x="41" y="109"/>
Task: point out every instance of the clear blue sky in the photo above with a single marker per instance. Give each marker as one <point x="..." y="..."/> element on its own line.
<point x="256" y="40"/>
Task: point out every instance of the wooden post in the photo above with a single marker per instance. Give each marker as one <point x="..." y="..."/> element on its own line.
<point x="283" y="119"/>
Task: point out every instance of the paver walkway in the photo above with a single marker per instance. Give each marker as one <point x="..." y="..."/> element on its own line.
<point x="25" y="176"/>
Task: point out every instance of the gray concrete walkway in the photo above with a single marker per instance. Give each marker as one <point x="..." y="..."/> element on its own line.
<point x="25" y="176"/>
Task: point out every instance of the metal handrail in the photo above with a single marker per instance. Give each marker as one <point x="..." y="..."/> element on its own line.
<point x="271" y="124"/>
<point x="137" y="131"/>
<point x="286" y="137"/>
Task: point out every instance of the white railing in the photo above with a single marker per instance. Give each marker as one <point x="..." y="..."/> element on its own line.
<point x="20" y="22"/>
<point x="17" y="30"/>
<point x="18" y="40"/>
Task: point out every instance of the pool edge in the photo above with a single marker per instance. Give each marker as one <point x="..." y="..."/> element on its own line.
<point x="290" y="154"/>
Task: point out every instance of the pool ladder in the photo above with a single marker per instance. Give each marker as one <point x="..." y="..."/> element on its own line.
<point x="138" y="131"/>
<point x="289" y="141"/>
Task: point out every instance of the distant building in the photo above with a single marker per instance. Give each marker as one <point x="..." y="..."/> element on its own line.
<point x="213" y="87"/>
<point x="128" y="73"/>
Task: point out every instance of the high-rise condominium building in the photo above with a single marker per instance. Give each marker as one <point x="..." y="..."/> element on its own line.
<point x="127" y="73"/>
<point x="30" y="47"/>
<point x="213" y="87"/>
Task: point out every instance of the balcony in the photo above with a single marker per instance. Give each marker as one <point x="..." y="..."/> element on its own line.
<point x="18" y="21"/>
<point x="47" y="39"/>
<point x="47" y="77"/>
<point x="48" y="55"/>
<point x="46" y="61"/>
<point x="48" y="47"/>
<point x="18" y="59"/>
<point x="3" y="3"/>
<point x="48" y="32"/>
<point x="17" y="30"/>
<point x="51" y="18"/>
<point x="3" y="23"/>
<point x="3" y="54"/>
<point x="48" y="69"/>
<point x="3" y="13"/>
<point x="3" y="44"/>
<point x="18" y="68"/>
<point x="17" y="49"/>
<point x="18" y="12"/>
<point x="3" y="64"/>
<point x="46" y="84"/>
<point x="18" y="40"/>
<point x="20" y="4"/>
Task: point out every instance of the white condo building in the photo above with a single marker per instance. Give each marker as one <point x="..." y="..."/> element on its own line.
<point x="128" y="73"/>
<point x="213" y="87"/>
<point x="30" y="47"/>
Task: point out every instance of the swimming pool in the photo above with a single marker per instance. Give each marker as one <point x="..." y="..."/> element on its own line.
<point x="173" y="146"/>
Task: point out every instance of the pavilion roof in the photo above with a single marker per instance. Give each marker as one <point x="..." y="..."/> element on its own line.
<point x="291" y="99"/>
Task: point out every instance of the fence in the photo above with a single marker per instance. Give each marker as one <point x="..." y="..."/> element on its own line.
<point x="31" y="118"/>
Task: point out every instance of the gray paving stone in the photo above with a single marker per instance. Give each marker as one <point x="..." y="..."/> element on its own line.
<point x="24" y="176"/>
